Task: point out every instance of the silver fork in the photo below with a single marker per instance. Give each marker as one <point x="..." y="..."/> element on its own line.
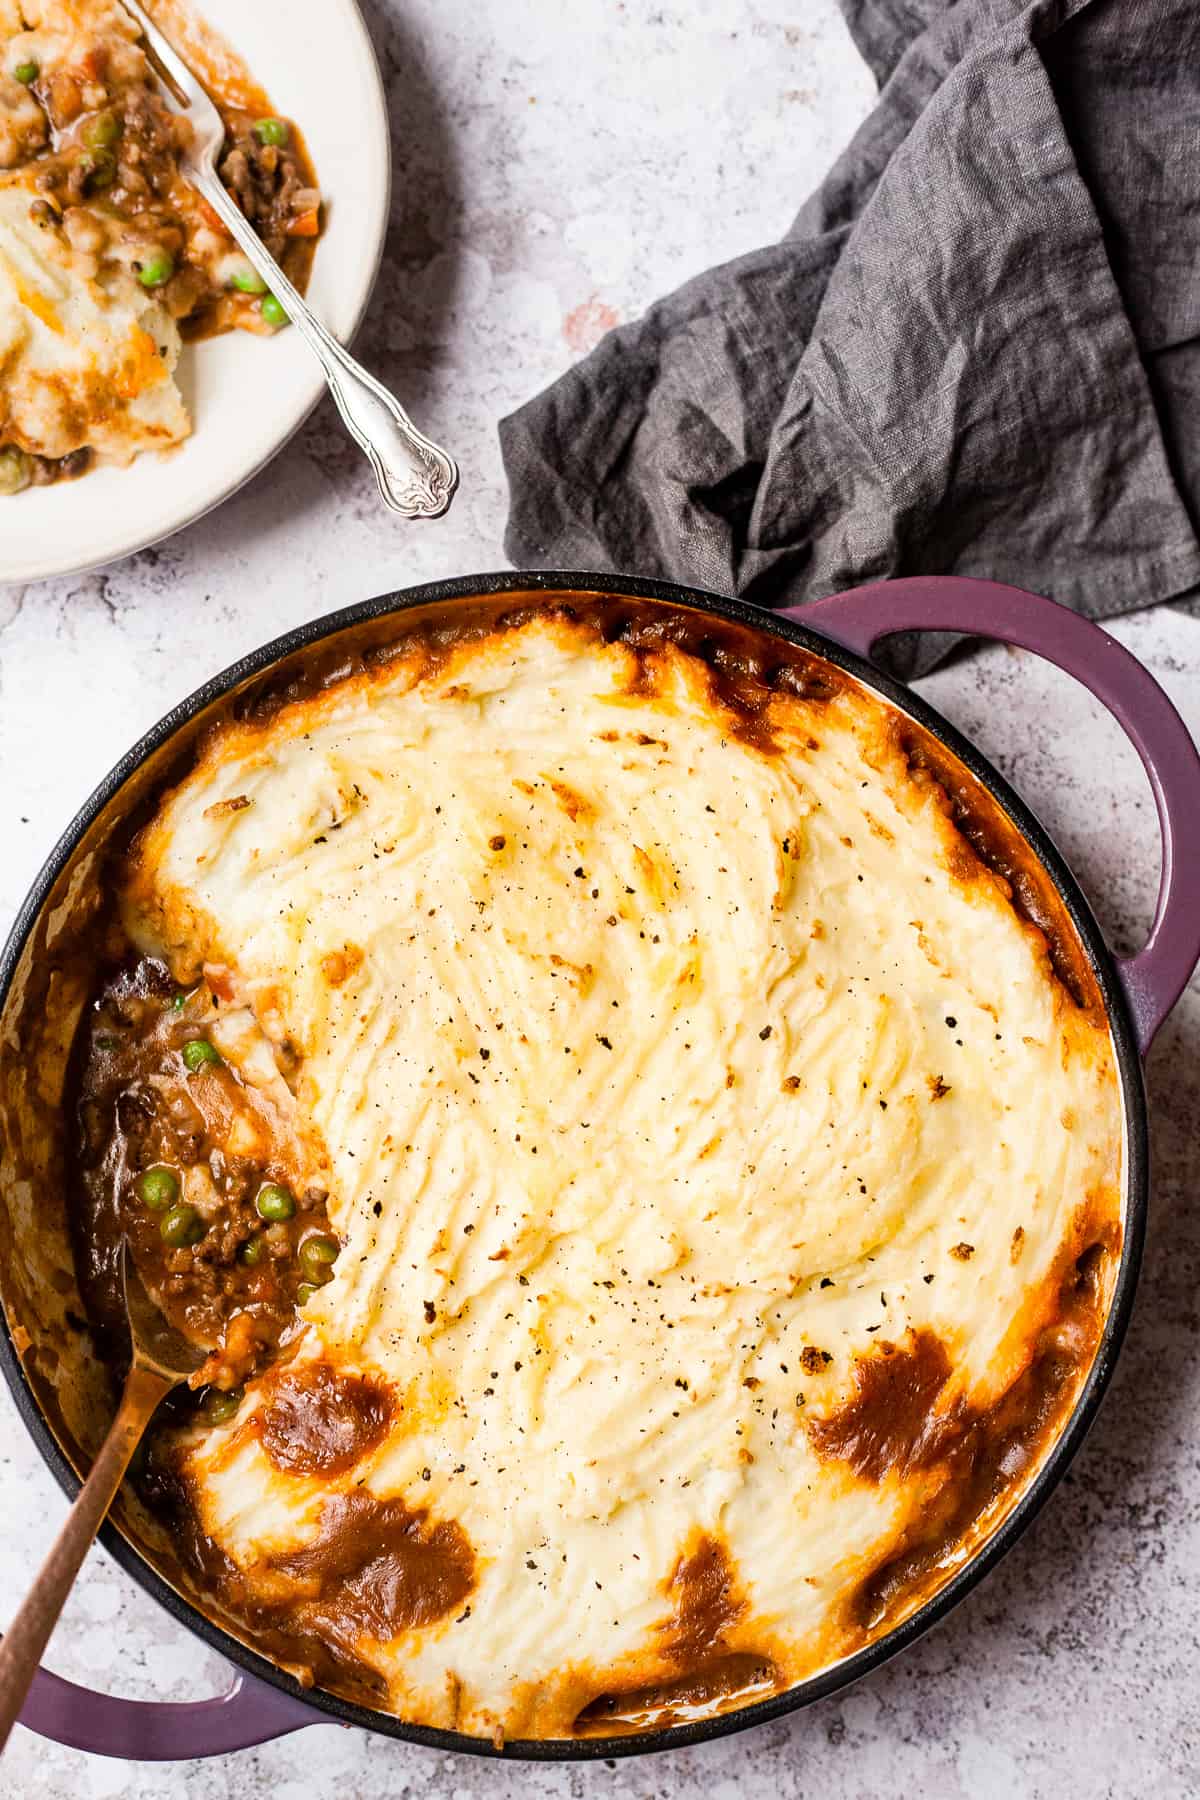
<point x="416" y="478"/>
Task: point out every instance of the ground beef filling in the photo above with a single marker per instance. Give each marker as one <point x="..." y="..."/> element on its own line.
<point x="273" y="188"/>
<point x="19" y="470"/>
<point x="180" y="1158"/>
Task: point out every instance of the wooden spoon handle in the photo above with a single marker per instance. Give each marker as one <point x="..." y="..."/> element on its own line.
<point x="26" y="1638"/>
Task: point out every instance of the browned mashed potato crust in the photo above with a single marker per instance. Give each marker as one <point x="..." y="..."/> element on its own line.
<point x="724" y="1168"/>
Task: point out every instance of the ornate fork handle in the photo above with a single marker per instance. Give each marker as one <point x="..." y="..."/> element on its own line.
<point x="416" y="478"/>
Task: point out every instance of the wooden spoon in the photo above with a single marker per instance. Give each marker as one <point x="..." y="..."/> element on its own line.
<point x="162" y="1359"/>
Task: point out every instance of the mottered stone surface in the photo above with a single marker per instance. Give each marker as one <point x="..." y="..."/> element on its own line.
<point x="556" y="169"/>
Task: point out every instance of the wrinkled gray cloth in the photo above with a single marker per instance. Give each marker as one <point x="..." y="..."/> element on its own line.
<point x="977" y="350"/>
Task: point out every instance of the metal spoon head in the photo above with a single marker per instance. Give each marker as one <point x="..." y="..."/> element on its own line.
<point x="157" y="1344"/>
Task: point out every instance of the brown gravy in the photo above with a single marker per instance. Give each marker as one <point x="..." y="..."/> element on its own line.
<point x="378" y="1568"/>
<point x="374" y="1568"/>
<point x="318" y="1422"/>
<point x="714" y="1685"/>
<point x="890" y="1422"/>
<point x="708" y="1670"/>
<point x="985" y="1454"/>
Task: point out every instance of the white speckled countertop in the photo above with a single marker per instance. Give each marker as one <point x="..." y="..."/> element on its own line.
<point x="557" y="168"/>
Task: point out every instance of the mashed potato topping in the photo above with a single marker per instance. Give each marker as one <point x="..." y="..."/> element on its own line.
<point x="716" y="1159"/>
<point x="82" y="359"/>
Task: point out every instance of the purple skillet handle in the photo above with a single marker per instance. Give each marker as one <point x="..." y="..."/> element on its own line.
<point x="1153" y="979"/>
<point x="162" y="1730"/>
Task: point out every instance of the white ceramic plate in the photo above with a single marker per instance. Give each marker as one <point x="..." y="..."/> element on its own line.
<point x="246" y="394"/>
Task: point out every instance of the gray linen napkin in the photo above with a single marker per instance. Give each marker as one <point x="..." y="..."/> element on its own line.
<point x="976" y="351"/>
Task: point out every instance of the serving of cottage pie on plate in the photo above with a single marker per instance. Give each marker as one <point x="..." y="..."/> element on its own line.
<point x="648" y="1191"/>
<point x="138" y="347"/>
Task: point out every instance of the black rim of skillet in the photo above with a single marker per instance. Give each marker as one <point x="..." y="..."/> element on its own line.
<point x="862" y="1662"/>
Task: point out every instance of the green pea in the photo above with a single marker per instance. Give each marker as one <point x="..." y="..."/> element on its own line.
<point x="199" y="1053"/>
<point x="16" y="471"/>
<point x="99" y="168"/>
<point x="272" y="311"/>
<point x="247" y="280"/>
<point x="155" y="269"/>
<point x="182" y="1227"/>
<point x="157" y="1188"/>
<point x="101" y="131"/>
<point x="252" y="1252"/>
<point x="305" y="1292"/>
<point x="271" y="131"/>
<point x="274" y="1202"/>
<point x="219" y="1407"/>
<point x="26" y="73"/>
<point x="317" y="1256"/>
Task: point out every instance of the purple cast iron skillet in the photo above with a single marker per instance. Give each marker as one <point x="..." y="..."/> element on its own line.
<point x="263" y="1703"/>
